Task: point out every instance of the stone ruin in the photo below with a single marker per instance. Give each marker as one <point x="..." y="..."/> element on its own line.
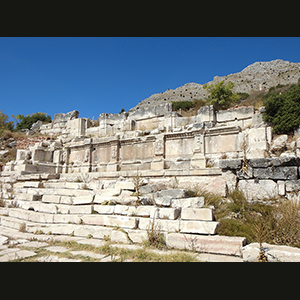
<point x="84" y="174"/>
<point x="153" y="139"/>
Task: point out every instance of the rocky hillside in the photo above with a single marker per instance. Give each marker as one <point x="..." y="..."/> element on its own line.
<point x="255" y="77"/>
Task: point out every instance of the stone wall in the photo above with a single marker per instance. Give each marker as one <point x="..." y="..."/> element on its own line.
<point x="264" y="178"/>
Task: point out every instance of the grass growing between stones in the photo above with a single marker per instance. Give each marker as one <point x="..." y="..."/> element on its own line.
<point x="116" y="254"/>
<point x="239" y="217"/>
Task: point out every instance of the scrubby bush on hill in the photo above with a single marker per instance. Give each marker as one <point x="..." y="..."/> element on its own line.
<point x="27" y="121"/>
<point x="283" y="109"/>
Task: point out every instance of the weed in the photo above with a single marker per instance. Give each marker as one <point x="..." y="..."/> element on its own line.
<point x="13" y="204"/>
<point x="155" y="236"/>
<point x="138" y="182"/>
<point x="22" y="227"/>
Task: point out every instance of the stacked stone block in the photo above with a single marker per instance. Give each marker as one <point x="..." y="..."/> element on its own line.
<point x="44" y="206"/>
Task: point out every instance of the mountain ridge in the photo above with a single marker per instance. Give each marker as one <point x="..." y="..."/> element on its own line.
<point x="257" y="76"/>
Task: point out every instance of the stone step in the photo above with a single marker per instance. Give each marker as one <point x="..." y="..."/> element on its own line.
<point x="51" y="208"/>
<point x="207" y="244"/>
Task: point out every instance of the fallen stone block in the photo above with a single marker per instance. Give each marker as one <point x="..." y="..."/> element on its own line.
<point x="202" y="214"/>
<point x="274" y="253"/>
<point x="207" y="244"/>
<point x="200" y="227"/>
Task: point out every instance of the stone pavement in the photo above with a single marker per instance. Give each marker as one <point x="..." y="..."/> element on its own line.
<point x="18" y="246"/>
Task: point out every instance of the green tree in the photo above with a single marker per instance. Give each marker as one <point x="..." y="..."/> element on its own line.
<point x="4" y="123"/>
<point x="283" y="109"/>
<point x="27" y="121"/>
<point x="221" y="94"/>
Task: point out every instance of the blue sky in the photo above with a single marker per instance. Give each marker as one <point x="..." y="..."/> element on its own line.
<point x="100" y="74"/>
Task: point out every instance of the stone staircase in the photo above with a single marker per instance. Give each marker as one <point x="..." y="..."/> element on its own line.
<point x="58" y="205"/>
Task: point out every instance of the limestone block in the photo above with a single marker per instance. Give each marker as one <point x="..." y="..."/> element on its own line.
<point x="109" y="220"/>
<point x="137" y="236"/>
<point x="203" y="214"/>
<point x="66" y="218"/>
<point x="98" y="232"/>
<point x="174" y="193"/>
<point x="40" y="217"/>
<point x="27" y="197"/>
<point x="18" y="213"/>
<point x="119" y="237"/>
<point x="167" y="213"/>
<point x="230" y="164"/>
<point x="258" y="190"/>
<point x="82" y="200"/>
<point x="196" y="202"/>
<point x="279" y="143"/>
<point x="51" y="199"/>
<point x="287" y="173"/>
<point x="80" y="209"/>
<point x="274" y="253"/>
<point x="3" y="240"/>
<point x="126" y="198"/>
<point x="145" y="211"/>
<point x="104" y="209"/>
<point x="281" y="187"/>
<point x="207" y="244"/>
<point x="125" y="185"/>
<point x="201" y="227"/>
<point x="163" y="201"/>
<point x="125" y="210"/>
<point x="292" y="185"/>
<point x="263" y="173"/>
<point x="163" y="225"/>
<point x="65" y="200"/>
<point x="33" y="184"/>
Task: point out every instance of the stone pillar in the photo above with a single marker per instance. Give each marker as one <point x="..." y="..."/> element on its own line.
<point x="113" y="165"/>
<point x="158" y="162"/>
<point x="65" y="159"/>
<point x="198" y="159"/>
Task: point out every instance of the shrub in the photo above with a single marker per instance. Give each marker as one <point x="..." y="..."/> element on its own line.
<point x="4" y="123"/>
<point x="27" y="121"/>
<point x="283" y="110"/>
<point x="184" y="105"/>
